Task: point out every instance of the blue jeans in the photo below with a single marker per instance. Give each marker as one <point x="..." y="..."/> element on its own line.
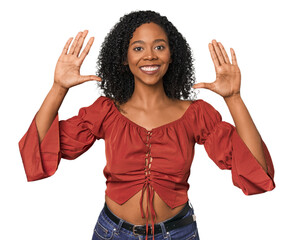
<point x="106" y="229"/>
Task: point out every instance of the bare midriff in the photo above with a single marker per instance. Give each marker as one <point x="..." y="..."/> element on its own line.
<point x="130" y="210"/>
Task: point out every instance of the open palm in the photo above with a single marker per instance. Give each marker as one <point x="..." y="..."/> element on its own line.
<point x="228" y="76"/>
<point x="67" y="70"/>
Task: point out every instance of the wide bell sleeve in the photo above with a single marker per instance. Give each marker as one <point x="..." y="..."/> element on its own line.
<point x="228" y="151"/>
<point x="66" y="139"/>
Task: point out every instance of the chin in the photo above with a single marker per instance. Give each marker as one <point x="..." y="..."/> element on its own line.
<point x="150" y="80"/>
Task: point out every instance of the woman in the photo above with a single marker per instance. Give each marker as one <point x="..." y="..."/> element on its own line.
<point x="145" y="66"/>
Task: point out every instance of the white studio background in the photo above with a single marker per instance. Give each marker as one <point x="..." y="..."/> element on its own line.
<point x="67" y="205"/>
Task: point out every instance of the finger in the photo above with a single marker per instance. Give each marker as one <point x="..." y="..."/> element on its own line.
<point x="86" y="49"/>
<point x="72" y="48"/>
<point x="64" y="52"/>
<point x="218" y="52"/>
<point x="203" y="85"/>
<point x="234" y="59"/>
<point x="213" y="55"/>
<point x="80" y="43"/>
<point x="227" y="60"/>
<point x="89" y="78"/>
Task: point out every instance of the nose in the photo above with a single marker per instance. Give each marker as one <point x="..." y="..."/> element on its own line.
<point x="150" y="54"/>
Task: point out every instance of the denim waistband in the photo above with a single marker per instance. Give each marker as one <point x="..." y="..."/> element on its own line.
<point x="108" y="223"/>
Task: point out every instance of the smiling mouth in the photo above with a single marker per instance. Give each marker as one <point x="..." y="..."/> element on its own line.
<point x="150" y="69"/>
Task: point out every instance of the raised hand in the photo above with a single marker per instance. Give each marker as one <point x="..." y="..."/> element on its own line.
<point x="67" y="70"/>
<point x="228" y="76"/>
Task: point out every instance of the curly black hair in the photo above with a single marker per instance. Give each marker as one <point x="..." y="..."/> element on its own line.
<point x="117" y="79"/>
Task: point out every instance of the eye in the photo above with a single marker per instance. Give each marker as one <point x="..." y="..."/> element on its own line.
<point x="162" y="47"/>
<point x="136" y="48"/>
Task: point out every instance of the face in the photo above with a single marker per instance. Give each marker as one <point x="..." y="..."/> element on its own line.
<point x="149" y="46"/>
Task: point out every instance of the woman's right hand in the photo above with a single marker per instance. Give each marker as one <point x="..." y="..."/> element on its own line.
<point x="67" y="70"/>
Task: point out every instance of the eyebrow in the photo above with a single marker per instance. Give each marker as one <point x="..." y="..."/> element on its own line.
<point x="155" y="41"/>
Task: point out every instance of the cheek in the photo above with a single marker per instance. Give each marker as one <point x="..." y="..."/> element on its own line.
<point x="166" y="57"/>
<point x="133" y="59"/>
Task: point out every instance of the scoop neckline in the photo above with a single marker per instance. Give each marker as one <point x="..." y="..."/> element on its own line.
<point x="156" y="128"/>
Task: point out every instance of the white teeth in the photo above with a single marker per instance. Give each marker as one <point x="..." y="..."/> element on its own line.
<point x="149" y="68"/>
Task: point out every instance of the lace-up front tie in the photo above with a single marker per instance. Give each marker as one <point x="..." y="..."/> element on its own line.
<point x="148" y="187"/>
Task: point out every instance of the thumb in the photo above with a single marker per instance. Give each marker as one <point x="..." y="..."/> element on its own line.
<point x="203" y="85"/>
<point x="89" y="78"/>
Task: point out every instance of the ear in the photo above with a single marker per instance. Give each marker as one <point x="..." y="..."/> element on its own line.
<point x="125" y="63"/>
<point x="170" y="60"/>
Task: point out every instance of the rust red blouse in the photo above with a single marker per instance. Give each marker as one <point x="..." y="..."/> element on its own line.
<point x="157" y="160"/>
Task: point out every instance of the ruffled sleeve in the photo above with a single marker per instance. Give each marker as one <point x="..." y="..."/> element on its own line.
<point x="228" y="151"/>
<point x="64" y="139"/>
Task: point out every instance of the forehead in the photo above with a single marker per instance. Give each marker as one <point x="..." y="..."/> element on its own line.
<point x="148" y="32"/>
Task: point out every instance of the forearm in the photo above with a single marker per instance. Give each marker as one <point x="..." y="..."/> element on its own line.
<point x="246" y="128"/>
<point x="49" y="109"/>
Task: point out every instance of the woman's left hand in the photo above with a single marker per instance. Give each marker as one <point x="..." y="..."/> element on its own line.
<point x="228" y="76"/>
